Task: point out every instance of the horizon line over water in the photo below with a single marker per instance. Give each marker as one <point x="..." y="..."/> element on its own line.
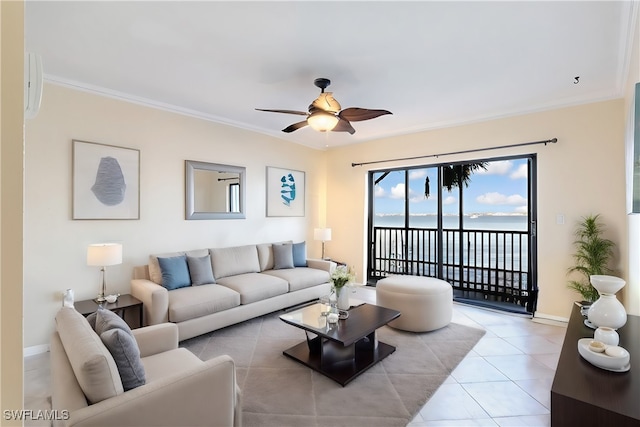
<point x="471" y="221"/>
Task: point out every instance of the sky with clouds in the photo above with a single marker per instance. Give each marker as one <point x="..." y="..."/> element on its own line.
<point x="502" y="188"/>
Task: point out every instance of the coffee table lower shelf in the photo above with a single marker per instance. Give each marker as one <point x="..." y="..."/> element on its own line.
<point x="341" y="364"/>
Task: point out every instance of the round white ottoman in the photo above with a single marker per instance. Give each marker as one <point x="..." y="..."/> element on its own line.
<point x="424" y="303"/>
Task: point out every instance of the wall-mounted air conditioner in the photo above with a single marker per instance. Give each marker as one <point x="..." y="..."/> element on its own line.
<point x="32" y="84"/>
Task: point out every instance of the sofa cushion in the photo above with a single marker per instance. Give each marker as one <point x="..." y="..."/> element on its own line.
<point x="179" y="359"/>
<point x="175" y="272"/>
<point x="124" y="349"/>
<point x="92" y="364"/>
<point x="200" y="270"/>
<point x="154" y="268"/>
<point x="300" y="277"/>
<point x="282" y="256"/>
<point x="299" y="254"/>
<point x="265" y="256"/>
<point x="234" y="260"/>
<point x="197" y="301"/>
<point x="254" y="287"/>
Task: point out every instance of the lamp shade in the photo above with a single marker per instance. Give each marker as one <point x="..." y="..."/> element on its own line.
<point x="103" y="254"/>
<point x="323" y="234"/>
<point x="322" y="121"/>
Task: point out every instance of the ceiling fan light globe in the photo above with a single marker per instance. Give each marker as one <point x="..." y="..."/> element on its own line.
<point x="322" y="121"/>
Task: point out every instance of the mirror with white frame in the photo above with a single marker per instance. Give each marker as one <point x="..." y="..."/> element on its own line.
<point x="214" y="191"/>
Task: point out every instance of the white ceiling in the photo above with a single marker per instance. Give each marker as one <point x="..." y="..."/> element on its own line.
<point x="432" y="64"/>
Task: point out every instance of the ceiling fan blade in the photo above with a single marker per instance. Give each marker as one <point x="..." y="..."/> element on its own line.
<point x="344" y="126"/>
<point x="300" y="113"/>
<point x="359" y="114"/>
<point x="326" y="102"/>
<point x="294" y="126"/>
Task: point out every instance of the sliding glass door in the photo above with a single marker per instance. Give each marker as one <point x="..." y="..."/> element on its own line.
<point x="470" y="223"/>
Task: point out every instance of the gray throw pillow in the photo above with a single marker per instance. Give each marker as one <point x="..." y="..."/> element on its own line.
<point x="282" y="256"/>
<point x="200" y="270"/>
<point x="92" y="319"/>
<point x="124" y="349"/>
<point x="107" y="320"/>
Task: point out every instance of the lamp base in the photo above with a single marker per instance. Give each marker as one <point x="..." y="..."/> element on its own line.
<point x="100" y="299"/>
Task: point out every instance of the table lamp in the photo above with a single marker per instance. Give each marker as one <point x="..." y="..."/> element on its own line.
<point x="323" y="234"/>
<point x="102" y="255"/>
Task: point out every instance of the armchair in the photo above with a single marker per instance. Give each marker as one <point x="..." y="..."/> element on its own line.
<point x="180" y="389"/>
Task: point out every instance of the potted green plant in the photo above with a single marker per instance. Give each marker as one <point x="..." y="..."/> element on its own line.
<point x="592" y="256"/>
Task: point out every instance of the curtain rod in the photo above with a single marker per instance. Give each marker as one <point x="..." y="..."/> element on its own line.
<point x="548" y="141"/>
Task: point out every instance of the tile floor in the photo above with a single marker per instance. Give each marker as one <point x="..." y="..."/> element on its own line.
<point x="504" y="381"/>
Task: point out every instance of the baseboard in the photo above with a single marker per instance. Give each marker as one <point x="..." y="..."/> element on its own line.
<point x="550" y="319"/>
<point x="36" y="349"/>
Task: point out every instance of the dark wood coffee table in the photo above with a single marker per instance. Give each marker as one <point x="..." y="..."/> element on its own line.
<point x="344" y="350"/>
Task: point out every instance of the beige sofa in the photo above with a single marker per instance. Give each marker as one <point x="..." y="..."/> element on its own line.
<point x="248" y="281"/>
<point x="180" y="389"/>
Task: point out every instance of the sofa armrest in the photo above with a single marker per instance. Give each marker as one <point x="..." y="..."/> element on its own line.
<point x="322" y="264"/>
<point x="156" y="339"/>
<point x="155" y="300"/>
<point x="202" y="396"/>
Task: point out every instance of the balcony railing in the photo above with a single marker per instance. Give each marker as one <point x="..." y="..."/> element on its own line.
<point x="490" y="263"/>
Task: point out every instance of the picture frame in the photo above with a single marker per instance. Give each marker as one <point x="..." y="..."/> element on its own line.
<point x="285" y="192"/>
<point x="635" y="155"/>
<point x="106" y="181"/>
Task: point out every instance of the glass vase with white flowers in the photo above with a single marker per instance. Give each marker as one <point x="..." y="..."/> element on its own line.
<point x="341" y="278"/>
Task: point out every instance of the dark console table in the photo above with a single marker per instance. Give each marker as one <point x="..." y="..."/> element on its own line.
<point x="121" y="307"/>
<point x="585" y="395"/>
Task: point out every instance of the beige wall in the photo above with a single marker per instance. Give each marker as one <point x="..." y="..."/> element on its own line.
<point x="11" y="201"/>
<point x="582" y="174"/>
<point x="56" y="245"/>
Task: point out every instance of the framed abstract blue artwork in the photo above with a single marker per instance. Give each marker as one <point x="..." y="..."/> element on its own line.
<point x="285" y="192"/>
<point x="106" y="181"/>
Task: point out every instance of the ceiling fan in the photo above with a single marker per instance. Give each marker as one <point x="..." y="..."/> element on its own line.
<point x="326" y="114"/>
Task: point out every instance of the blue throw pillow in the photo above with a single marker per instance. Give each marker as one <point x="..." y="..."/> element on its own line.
<point x="300" y="254"/>
<point x="175" y="273"/>
<point x="282" y="256"/>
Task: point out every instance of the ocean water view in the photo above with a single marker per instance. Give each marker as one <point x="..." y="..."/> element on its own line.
<point x="490" y="256"/>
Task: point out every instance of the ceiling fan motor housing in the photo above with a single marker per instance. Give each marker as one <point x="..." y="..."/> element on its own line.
<point x="322" y="83"/>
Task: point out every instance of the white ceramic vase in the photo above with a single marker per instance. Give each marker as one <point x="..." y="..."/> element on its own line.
<point x="607" y="310"/>
<point x="606" y="335"/>
<point x="67" y="299"/>
<point x="343" y="297"/>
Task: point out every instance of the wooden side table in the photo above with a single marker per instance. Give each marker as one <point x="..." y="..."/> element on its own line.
<point x="124" y="304"/>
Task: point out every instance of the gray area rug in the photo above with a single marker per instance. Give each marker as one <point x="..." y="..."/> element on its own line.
<point x="278" y="391"/>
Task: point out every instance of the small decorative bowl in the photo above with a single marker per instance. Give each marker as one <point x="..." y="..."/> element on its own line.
<point x="112" y="298"/>
<point x="615" y="351"/>
<point x="597" y="346"/>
